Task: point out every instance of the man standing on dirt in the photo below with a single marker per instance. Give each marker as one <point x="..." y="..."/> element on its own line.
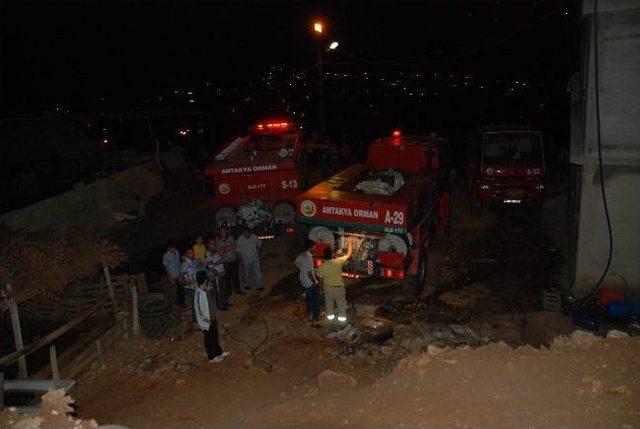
<point x="309" y="281"/>
<point x="226" y="245"/>
<point x="206" y="319"/>
<point x="172" y="265"/>
<point x="330" y="273"/>
<point x="188" y="279"/>
<point x="215" y="270"/>
<point x="248" y="246"/>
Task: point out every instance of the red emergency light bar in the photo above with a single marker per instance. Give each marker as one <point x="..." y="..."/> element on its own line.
<point x="272" y="126"/>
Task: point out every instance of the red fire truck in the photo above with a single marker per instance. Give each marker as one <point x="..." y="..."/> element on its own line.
<point x="257" y="177"/>
<point x="389" y="208"/>
<point x="506" y="166"/>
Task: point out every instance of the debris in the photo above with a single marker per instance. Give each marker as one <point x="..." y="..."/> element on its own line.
<point x="53" y="414"/>
<point x="329" y="379"/>
<point x="376" y="329"/>
<point x="434" y="350"/>
<point x="614" y="333"/>
<point x="387" y="350"/>
<point x="184" y="367"/>
<point x="620" y="390"/>
<point x="578" y="338"/>
<point x="71" y="255"/>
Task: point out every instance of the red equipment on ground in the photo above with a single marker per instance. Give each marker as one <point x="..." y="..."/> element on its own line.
<point x="390" y="208"/>
<point x="257" y="177"/>
<point x="507" y="167"/>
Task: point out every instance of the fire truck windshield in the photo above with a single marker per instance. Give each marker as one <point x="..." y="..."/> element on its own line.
<point x="513" y="148"/>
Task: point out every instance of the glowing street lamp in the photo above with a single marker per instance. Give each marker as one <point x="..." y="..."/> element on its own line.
<point x="318" y="27"/>
<point x="333" y="45"/>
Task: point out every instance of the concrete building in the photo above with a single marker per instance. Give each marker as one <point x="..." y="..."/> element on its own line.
<point x="616" y="29"/>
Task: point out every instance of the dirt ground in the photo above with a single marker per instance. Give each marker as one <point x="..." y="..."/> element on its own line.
<point x="461" y="355"/>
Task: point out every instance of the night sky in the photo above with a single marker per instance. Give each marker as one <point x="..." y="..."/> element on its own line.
<point x="71" y="53"/>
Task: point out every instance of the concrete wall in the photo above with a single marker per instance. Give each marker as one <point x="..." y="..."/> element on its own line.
<point x="91" y="205"/>
<point x="619" y="81"/>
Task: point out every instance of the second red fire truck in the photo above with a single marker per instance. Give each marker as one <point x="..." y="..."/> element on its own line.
<point x="257" y="177"/>
<point x="507" y="166"/>
<point x="391" y="208"/>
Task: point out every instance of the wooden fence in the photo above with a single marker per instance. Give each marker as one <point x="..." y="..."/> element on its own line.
<point x="81" y="302"/>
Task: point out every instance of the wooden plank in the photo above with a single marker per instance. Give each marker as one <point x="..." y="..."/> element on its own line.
<point x="80" y="362"/>
<point x="53" y="357"/>
<point x="52" y="336"/>
<point x="17" y="333"/>
<point x="86" y="341"/>
<point x="112" y="294"/>
<point x="99" y="353"/>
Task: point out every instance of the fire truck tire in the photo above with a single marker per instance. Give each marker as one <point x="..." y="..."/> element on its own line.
<point x="284" y="212"/>
<point x="421" y="278"/>
<point x="225" y="215"/>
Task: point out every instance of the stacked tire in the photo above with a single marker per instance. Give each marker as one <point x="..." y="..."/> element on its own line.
<point x="157" y="318"/>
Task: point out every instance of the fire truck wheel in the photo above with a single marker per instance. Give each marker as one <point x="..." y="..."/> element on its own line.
<point x="422" y="271"/>
<point x="226" y="216"/>
<point x="284" y="213"/>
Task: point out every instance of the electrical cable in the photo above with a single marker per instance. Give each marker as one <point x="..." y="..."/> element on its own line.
<point x="597" y="286"/>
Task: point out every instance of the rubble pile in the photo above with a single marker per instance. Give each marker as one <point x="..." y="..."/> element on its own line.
<point x="580" y="380"/>
<point x="54" y="413"/>
<point x="70" y="254"/>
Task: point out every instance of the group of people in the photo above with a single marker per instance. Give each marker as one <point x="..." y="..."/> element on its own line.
<point x="207" y="274"/>
<point x="326" y="278"/>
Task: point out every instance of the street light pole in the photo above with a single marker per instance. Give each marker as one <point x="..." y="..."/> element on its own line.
<point x="318" y="29"/>
<point x="322" y="126"/>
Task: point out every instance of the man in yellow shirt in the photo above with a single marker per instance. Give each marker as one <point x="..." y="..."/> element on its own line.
<point x="330" y="274"/>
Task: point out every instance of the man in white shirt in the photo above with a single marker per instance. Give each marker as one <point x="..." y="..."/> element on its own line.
<point x="309" y="281"/>
<point x="248" y="247"/>
<point x="206" y="319"/>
